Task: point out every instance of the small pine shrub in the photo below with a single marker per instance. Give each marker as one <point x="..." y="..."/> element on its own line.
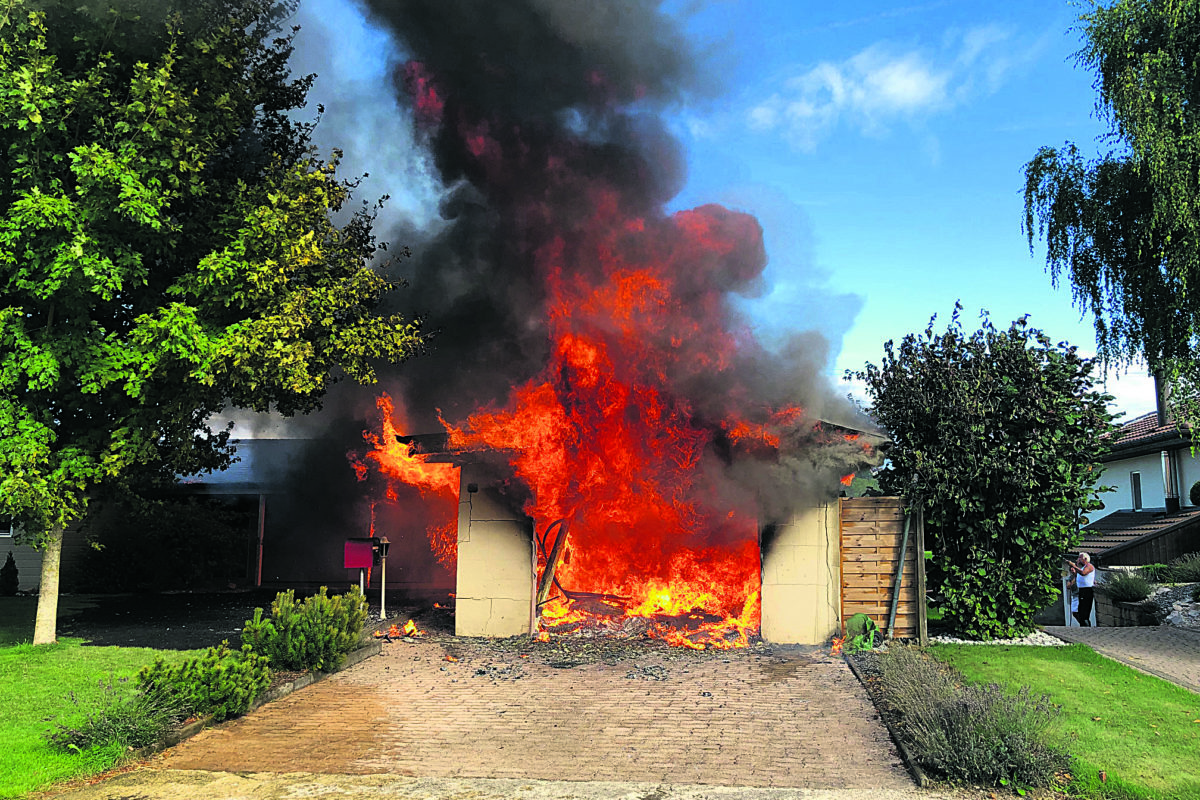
<point x="140" y="720"/>
<point x="1125" y="587"/>
<point x="973" y="733"/>
<point x="315" y="633"/>
<point x="9" y="580"/>
<point x="221" y="683"/>
<point x="1186" y="569"/>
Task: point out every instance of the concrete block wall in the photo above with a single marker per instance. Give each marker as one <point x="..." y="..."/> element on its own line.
<point x="800" y="585"/>
<point x="496" y="565"/>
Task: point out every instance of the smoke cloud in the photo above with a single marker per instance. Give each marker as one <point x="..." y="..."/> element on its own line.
<point x="535" y="129"/>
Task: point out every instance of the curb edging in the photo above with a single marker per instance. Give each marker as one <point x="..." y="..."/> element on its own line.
<point x="910" y="763"/>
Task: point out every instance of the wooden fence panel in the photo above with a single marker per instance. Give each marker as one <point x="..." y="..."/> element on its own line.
<point x="872" y="533"/>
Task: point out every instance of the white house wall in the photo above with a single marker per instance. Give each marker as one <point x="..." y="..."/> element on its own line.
<point x="1189" y="473"/>
<point x="1116" y="474"/>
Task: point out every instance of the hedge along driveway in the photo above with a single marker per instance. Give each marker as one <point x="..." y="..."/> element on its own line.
<point x="1142" y="731"/>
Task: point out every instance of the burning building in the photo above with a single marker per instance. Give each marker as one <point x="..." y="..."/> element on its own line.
<point x="596" y="438"/>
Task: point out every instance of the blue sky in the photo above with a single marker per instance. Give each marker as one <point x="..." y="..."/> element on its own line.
<point x="881" y="146"/>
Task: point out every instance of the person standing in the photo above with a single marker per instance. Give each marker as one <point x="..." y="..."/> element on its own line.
<point x="1085" y="579"/>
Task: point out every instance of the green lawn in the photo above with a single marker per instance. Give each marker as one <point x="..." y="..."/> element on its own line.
<point x="34" y="686"/>
<point x="1142" y="731"/>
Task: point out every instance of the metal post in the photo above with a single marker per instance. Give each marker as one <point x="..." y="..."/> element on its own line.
<point x="262" y="525"/>
<point x="384" y="544"/>
<point x="383" y="589"/>
<point x="899" y="577"/>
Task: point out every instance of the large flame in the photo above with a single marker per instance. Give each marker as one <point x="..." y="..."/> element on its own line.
<point x="398" y="465"/>
<point x="604" y="438"/>
<point x="650" y="412"/>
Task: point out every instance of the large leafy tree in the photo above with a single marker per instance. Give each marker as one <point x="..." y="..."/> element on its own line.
<point x="1123" y="227"/>
<point x="168" y="247"/>
<point x="996" y="435"/>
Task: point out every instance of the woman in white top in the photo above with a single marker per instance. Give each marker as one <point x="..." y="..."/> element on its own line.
<point x="1085" y="579"/>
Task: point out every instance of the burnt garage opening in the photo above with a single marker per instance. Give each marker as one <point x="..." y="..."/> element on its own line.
<point x="819" y="565"/>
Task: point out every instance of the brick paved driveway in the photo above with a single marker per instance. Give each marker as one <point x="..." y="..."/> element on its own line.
<point x="1166" y="651"/>
<point x="774" y="718"/>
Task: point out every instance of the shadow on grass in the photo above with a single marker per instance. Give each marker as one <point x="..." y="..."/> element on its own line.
<point x="17" y="615"/>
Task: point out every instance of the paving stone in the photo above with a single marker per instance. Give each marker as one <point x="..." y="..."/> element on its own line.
<point x="1169" y="652"/>
<point x="754" y="719"/>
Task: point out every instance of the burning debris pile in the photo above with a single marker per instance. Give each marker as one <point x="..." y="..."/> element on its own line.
<point x="588" y="351"/>
<point x="409" y="632"/>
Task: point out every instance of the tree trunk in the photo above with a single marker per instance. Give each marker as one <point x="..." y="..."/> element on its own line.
<point x="45" y="630"/>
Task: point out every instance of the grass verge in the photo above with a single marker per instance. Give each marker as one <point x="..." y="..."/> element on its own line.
<point x="35" y="684"/>
<point x="1143" y="732"/>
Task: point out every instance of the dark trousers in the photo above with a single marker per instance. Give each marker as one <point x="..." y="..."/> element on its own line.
<point x="1084" y="614"/>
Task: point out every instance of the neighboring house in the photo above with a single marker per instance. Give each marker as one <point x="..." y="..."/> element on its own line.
<point x="237" y="482"/>
<point x="1149" y="518"/>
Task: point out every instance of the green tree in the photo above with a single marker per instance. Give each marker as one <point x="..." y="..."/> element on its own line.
<point x="168" y="247"/>
<point x="997" y="436"/>
<point x="1124" y="226"/>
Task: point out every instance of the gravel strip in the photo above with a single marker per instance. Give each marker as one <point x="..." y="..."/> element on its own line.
<point x="1035" y="639"/>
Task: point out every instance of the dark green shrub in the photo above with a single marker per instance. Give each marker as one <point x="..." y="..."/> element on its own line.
<point x="221" y="683"/>
<point x="315" y="633"/>
<point x="1196" y="594"/>
<point x="996" y="436"/>
<point x="1185" y="569"/>
<point x="9" y="580"/>
<point x="972" y="733"/>
<point x="1125" y="587"/>
<point x="1194" y="493"/>
<point x="140" y="720"/>
<point x="1155" y="573"/>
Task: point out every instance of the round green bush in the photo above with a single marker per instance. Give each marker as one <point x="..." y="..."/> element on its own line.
<point x="1194" y="493"/>
<point x="1126" y="587"/>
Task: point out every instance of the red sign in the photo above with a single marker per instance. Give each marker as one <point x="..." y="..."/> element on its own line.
<point x="359" y="553"/>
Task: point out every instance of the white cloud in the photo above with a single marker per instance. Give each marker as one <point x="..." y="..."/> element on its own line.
<point x="880" y="86"/>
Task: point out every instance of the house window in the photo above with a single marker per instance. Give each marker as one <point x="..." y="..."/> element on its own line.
<point x="6" y="530"/>
<point x="1135" y="489"/>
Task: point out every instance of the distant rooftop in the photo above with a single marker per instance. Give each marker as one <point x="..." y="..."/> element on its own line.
<point x="1122" y="530"/>
<point x="1143" y="435"/>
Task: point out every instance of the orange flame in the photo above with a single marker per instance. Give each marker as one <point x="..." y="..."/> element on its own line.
<point x="847" y="479"/>
<point x="602" y="438"/>
<point x="836" y="646"/>
<point x="398" y="465"/>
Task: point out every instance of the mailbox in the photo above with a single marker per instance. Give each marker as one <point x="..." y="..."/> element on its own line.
<point x="360" y="553"/>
